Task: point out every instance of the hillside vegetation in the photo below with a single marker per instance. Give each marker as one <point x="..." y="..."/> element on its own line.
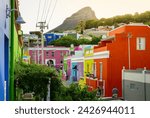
<point x="127" y="18"/>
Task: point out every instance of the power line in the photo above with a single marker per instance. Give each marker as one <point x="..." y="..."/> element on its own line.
<point x="38" y="11"/>
<point x="52" y="12"/>
<point x="43" y="9"/>
<point x="46" y="9"/>
<point x="49" y="6"/>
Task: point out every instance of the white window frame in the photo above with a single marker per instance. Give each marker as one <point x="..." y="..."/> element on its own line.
<point x="94" y="69"/>
<point x="141" y="43"/>
<point x="101" y="70"/>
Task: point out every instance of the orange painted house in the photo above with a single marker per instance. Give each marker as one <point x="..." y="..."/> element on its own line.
<point x="129" y="47"/>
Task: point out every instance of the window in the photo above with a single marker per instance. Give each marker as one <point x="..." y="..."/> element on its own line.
<point x="67" y="53"/>
<point x="33" y="52"/>
<point x="61" y="53"/>
<point x="52" y="54"/>
<point x="101" y="70"/>
<point x="61" y="61"/>
<point x="132" y="86"/>
<point x="47" y="53"/>
<point x="91" y="51"/>
<point x="88" y="68"/>
<point x="94" y="69"/>
<point x="140" y="41"/>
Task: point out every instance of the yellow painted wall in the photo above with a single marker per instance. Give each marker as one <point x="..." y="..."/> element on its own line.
<point x="88" y="64"/>
<point x="17" y="48"/>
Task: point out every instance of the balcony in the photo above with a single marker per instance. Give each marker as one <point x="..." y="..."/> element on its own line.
<point x="91" y="82"/>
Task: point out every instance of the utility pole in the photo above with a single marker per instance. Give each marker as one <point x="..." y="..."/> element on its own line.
<point x="42" y="26"/>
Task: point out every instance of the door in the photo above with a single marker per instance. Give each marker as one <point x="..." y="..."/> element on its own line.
<point x="6" y="57"/>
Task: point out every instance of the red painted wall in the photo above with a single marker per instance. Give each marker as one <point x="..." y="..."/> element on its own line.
<point x="112" y="67"/>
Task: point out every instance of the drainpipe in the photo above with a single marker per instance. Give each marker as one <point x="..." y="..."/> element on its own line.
<point x="12" y="53"/>
<point x="144" y="76"/>
<point x="129" y="51"/>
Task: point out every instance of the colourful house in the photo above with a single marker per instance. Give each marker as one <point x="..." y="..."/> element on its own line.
<point x="90" y="67"/>
<point x="77" y="66"/>
<point x="52" y="36"/>
<point x="74" y="65"/>
<point x="67" y="68"/>
<point x="4" y="47"/>
<point x="127" y="46"/>
<point x="53" y="56"/>
<point x="11" y="46"/>
<point x="88" y="62"/>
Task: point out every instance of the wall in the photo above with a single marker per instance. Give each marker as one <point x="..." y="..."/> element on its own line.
<point x="136" y="60"/>
<point x="69" y="69"/>
<point x="80" y="70"/>
<point x="51" y="37"/>
<point x="119" y="53"/>
<point x="74" y="72"/>
<point x="4" y="35"/>
<point x="136" y="85"/>
<point x="17" y="47"/>
<point x="104" y="83"/>
<point x="48" y="55"/>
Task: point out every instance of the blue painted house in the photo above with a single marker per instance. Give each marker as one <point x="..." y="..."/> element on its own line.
<point x="52" y="36"/>
<point x="4" y="50"/>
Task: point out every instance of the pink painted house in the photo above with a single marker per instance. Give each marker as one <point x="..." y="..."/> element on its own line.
<point x="53" y="56"/>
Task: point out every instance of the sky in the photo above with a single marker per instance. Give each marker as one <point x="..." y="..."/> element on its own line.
<point x="32" y="13"/>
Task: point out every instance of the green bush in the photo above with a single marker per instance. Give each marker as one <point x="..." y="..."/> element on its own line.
<point x="72" y="93"/>
<point x="34" y="78"/>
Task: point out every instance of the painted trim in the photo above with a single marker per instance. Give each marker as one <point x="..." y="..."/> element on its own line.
<point x="136" y="77"/>
<point x="50" y="48"/>
<point x="99" y="55"/>
<point x="79" y="59"/>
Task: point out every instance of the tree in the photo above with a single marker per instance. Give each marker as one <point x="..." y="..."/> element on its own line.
<point x="80" y="27"/>
<point x="127" y="18"/>
<point x="68" y="40"/>
<point x="72" y="93"/>
<point x="95" y="40"/>
<point x="34" y="78"/>
<point x="65" y="41"/>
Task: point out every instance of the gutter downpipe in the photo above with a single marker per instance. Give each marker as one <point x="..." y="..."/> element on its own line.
<point x="12" y="61"/>
<point x="129" y="51"/>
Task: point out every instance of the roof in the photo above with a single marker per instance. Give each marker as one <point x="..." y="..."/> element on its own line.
<point x="131" y="24"/>
<point x="110" y="38"/>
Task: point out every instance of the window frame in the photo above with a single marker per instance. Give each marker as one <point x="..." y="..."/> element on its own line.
<point x="140" y="43"/>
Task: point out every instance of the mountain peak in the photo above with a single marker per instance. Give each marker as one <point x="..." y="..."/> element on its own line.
<point x="71" y="22"/>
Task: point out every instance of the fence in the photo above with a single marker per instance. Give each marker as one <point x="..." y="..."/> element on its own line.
<point x="136" y="85"/>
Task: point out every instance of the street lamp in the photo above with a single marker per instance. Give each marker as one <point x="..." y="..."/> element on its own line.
<point x="19" y="19"/>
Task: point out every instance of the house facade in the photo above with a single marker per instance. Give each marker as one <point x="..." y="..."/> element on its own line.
<point x="11" y="46"/>
<point x="4" y="47"/>
<point x="53" y="56"/>
<point x="74" y="63"/>
<point x="128" y="46"/>
<point x="136" y="84"/>
<point x="52" y="36"/>
<point x="92" y="67"/>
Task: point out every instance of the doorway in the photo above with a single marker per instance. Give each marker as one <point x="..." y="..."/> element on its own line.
<point x="6" y="66"/>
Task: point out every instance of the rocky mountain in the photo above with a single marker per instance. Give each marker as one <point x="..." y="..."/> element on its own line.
<point x="71" y="22"/>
